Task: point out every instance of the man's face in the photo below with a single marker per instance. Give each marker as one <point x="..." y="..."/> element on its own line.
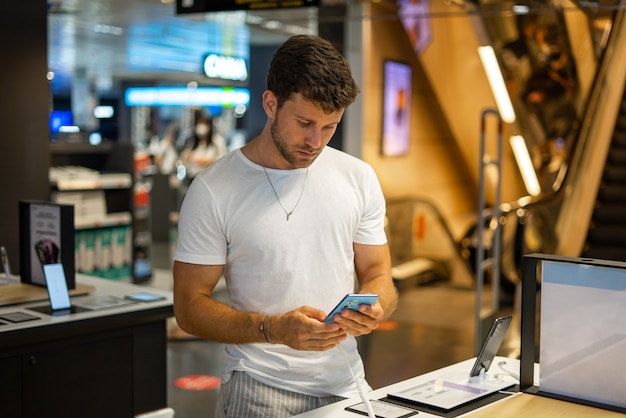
<point x="301" y="130"/>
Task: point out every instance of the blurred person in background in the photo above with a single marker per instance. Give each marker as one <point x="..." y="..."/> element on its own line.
<point x="204" y="147"/>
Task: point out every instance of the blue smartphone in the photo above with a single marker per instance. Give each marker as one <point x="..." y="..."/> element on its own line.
<point x="351" y="301"/>
<point x="144" y="297"/>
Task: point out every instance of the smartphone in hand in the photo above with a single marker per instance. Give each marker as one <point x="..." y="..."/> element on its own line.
<point x="351" y="301"/>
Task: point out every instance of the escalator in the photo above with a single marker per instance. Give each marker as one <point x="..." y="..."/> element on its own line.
<point x="580" y="212"/>
<point x="585" y="164"/>
<point x="606" y="237"/>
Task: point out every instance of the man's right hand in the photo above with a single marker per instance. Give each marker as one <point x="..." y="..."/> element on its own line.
<point x="304" y="329"/>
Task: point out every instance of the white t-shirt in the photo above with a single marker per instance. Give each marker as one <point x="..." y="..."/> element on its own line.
<point x="230" y="216"/>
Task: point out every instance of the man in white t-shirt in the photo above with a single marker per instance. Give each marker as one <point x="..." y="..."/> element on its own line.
<point x="292" y="225"/>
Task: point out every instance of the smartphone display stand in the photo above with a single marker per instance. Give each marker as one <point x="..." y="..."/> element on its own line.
<point x="481" y="377"/>
<point x="488" y="350"/>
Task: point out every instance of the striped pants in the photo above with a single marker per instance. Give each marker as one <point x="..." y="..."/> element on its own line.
<point x="244" y="397"/>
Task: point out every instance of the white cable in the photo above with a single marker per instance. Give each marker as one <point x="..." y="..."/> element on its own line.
<point x="359" y="387"/>
<point x="504" y="367"/>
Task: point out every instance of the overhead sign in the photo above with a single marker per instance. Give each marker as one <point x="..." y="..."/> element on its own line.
<point x="183" y="96"/>
<point x="224" y="67"/>
<point x="202" y="6"/>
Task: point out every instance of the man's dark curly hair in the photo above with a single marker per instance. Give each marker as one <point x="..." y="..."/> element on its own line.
<point x="311" y="66"/>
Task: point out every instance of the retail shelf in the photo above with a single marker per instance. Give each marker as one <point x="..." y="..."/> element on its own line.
<point x="82" y="178"/>
<point x="111" y="219"/>
<point x="80" y="148"/>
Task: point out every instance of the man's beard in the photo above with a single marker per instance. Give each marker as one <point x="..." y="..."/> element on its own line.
<point x="283" y="148"/>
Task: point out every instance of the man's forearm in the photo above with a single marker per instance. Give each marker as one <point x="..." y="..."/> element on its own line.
<point x="212" y="320"/>
<point x="387" y="293"/>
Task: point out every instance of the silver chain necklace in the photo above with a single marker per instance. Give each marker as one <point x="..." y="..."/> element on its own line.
<point x="306" y="176"/>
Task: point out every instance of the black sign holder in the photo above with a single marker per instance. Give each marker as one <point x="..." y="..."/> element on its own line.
<point x="46" y="237"/>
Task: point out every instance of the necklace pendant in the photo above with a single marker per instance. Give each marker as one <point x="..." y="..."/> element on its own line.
<point x="278" y="197"/>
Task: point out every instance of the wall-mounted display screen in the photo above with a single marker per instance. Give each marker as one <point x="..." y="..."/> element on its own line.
<point x="396" y="108"/>
<point x="416" y="21"/>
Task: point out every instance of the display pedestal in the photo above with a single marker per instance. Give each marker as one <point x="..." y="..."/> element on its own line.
<point x="104" y="363"/>
<point x="16" y="293"/>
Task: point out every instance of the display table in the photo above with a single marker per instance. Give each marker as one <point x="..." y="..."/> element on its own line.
<point x="517" y="405"/>
<point x="108" y="362"/>
<point x="526" y="405"/>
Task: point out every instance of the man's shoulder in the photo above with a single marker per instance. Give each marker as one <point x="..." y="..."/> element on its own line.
<point x="227" y="163"/>
<point x="340" y="162"/>
<point x="343" y="157"/>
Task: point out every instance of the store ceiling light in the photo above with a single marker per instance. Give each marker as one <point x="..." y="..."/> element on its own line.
<point x="521" y="9"/>
<point x="496" y="81"/>
<point x="525" y="164"/>
<point x="272" y="24"/>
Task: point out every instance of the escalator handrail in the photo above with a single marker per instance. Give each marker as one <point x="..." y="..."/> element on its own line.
<point x="459" y="251"/>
